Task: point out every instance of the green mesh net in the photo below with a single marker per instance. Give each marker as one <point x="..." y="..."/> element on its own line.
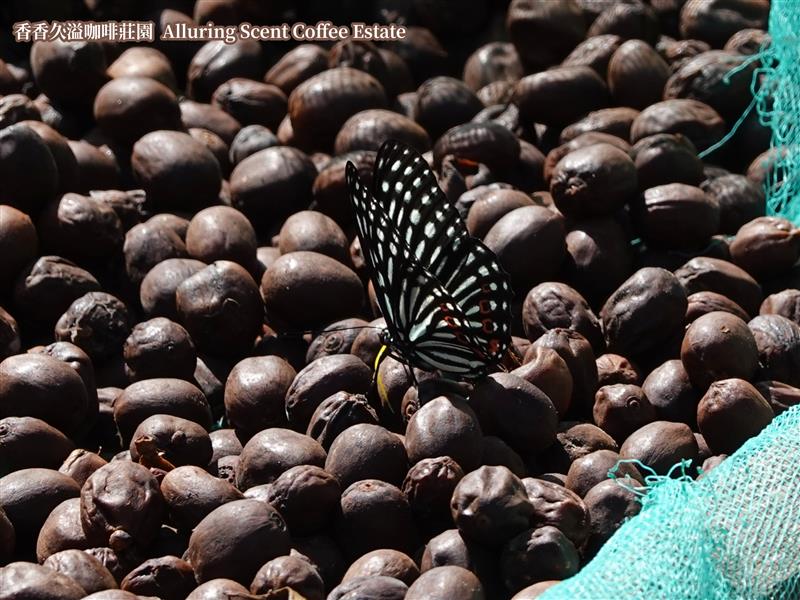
<point x="732" y="534"/>
<point x="776" y="92"/>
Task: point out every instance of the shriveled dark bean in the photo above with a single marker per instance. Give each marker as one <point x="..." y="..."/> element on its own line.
<point x="556" y="506"/>
<point x="495" y="61"/>
<point x="290" y="572"/>
<point x="366" y="451"/>
<point x="22" y="153"/>
<point x="126" y="108"/>
<point x="766" y="246"/>
<point x="221" y="308"/>
<point x="368" y="129"/>
<point x="740" y="200"/>
<point x="443" y="103"/>
<point x="676" y="215"/>
<point x="701" y="303"/>
<point x="777" y="339"/>
<point x="551" y="305"/>
<point x="718" y="78"/>
<point x="643" y="313"/>
<point x="150" y="397"/>
<point x="609" y="505"/>
<point x="577" y="353"/>
<point x="490" y="506"/>
<point x="691" y="118"/>
<point x="271" y="184"/>
<point x="428" y="487"/>
<point x="217" y="62"/>
<point x="191" y="493"/>
<point x="598" y="258"/>
<point x="620" y="409"/>
<point x="235" y="540"/>
<point x="374" y="514"/>
<point x="319" y="106"/>
<point x="255" y="392"/>
<point x="671" y="394"/>
<point x="141" y="61"/>
<point x="273" y="451"/>
<point x="179" y="441"/>
<point x="83" y="568"/>
<point x="538" y="554"/>
<point x="589" y="470"/>
<point x="251" y="102"/>
<point x="583" y="140"/>
<point x="533" y="425"/>
<point x="121" y="506"/>
<point x="330" y="191"/>
<point x="528" y="231"/>
<point x="731" y="412"/>
<point x="615" y="121"/>
<point x="66" y="163"/>
<point x="561" y="95"/>
<point x="322" y="378"/>
<point x="712" y="274"/>
<point x="212" y="118"/>
<point x="544" y="32"/>
<point x="636" y="74"/>
<point x="157" y="292"/>
<point x="716" y="346"/>
<point x="69" y="72"/>
<point x="166" y="577"/>
<point x="594" y="52"/>
<point x="80" y="464"/>
<point x="613" y="368"/>
<point x="487" y="143"/>
<point x="628" y="20"/>
<point x="159" y="348"/>
<point x="27" y="442"/>
<point x="43" y="387"/>
<point x="785" y="303"/>
<point x="62" y="530"/>
<point x="362" y="55"/>
<point x="28" y="580"/>
<point x="491" y="206"/>
<point x="714" y="22"/>
<point x="666" y="158"/>
<point x="593" y="181"/>
<point x="660" y="445"/>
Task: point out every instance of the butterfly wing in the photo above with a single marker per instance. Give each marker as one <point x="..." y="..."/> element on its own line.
<point x="407" y="190"/>
<point x="379" y="245"/>
<point x="443" y="293"/>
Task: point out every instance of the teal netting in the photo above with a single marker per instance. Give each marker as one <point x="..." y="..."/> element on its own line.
<point x="778" y="105"/>
<point x="776" y="99"/>
<point x="733" y="534"/>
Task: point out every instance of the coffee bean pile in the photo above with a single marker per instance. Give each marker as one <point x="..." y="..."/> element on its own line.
<point x="188" y="407"/>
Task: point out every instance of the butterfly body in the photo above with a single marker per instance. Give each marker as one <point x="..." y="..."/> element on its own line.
<point x="444" y="296"/>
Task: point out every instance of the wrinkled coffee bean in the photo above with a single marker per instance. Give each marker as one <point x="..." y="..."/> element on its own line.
<point x="731" y="412"/>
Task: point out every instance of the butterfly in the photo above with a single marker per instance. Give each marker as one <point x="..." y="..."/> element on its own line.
<point x="445" y="298"/>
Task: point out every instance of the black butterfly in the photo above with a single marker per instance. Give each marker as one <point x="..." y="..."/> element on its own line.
<point x="444" y="296"/>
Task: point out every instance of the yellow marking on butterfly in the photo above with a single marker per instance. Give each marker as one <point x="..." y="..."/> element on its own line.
<point x="382" y="393"/>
